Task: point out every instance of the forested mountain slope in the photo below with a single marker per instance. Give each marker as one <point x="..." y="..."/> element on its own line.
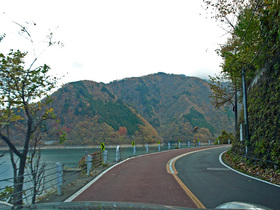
<point x="89" y="113"/>
<point x="174" y="105"/>
<point x="145" y="109"/>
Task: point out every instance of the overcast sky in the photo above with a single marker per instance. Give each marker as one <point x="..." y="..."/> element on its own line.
<point x="108" y="40"/>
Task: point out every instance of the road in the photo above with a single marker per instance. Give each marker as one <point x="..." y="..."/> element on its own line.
<point x="213" y="184"/>
<point x="142" y="179"/>
<point x="196" y="179"/>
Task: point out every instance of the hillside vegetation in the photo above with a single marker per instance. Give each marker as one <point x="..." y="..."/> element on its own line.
<point x="146" y="109"/>
<point x="253" y="53"/>
<point x="174" y="105"/>
<point x="89" y="113"/>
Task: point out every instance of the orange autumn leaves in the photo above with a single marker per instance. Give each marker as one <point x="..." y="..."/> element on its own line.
<point x="122" y="131"/>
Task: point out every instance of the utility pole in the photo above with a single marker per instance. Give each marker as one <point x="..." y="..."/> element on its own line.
<point x="245" y="106"/>
<point x="235" y="108"/>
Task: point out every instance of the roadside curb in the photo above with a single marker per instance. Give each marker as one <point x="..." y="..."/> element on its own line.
<point x="261" y="180"/>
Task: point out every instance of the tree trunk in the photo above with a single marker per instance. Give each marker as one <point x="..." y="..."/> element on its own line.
<point x="18" y="198"/>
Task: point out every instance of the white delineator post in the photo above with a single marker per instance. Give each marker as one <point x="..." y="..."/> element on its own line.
<point x="134" y="150"/>
<point x="89" y="164"/>
<point x="105" y="156"/>
<point x="118" y="153"/>
<point x="59" y="177"/>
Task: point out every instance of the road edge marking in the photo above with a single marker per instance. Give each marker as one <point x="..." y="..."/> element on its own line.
<point x="84" y="188"/>
<point x="170" y="167"/>
<point x="266" y="182"/>
<point x="196" y="201"/>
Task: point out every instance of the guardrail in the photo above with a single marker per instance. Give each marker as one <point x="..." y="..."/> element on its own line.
<point x="54" y="177"/>
<point x="7" y="194"/>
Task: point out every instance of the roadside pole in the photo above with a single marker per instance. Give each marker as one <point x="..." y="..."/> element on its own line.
<point x="133" y="148"/>
<point x="59" y="177"/>
<point x="89" y="164"/>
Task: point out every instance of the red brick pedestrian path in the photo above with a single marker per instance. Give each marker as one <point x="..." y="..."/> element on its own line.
<point x="141" y="179"/>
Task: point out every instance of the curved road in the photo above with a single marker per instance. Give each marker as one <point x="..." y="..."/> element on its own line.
<point x="213" y="184"/>
<point x="141" y="179"/>
<point x="196" y="179"/>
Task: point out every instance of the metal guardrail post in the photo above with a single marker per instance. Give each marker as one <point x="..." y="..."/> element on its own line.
<point x="59" y="177"/>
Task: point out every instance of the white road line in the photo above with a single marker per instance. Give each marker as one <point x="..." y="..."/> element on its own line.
<point x="218" y="169"/>
<point x="72" y="197"/>
<point x="221" y="161"/>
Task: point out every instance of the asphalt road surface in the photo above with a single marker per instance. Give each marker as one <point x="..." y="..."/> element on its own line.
<point x="142" y="179"/>
<point x="213" y="184"/>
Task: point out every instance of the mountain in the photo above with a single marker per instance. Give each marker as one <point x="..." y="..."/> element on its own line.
<point x="146" y="109"/>
<point x="90" y="113"/>
<point x="155" y="107"/>
<point x="174" y="105"/>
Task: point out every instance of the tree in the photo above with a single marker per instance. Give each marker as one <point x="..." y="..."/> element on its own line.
<point x="224" y="137"/>
<point x="122" y="131"/>
<point x="225" y="11"/>
<point x="21" y="89"/>
<point x="239" y="51"/>
<point x="226" y="86"/>
<point x="254" y="48"/>
<point x="2" y="37"/>
<point x="224" y="92"/>
<point x="37" y="172"/>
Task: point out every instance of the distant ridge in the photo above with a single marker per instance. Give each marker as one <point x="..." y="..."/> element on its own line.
<point x="164" y="107"/>
<point x="174" y="105"/>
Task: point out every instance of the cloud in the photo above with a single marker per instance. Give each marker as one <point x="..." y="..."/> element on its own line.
<point x="108" y="40"/>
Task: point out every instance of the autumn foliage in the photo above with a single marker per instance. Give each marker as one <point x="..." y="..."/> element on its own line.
<point x="122" y="131"/>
